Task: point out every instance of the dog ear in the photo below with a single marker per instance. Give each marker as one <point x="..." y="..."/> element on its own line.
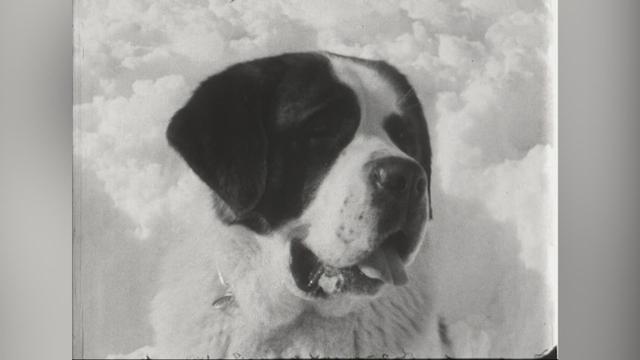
<point x="220" y="133"/>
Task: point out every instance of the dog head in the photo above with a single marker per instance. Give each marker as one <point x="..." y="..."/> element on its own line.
<point x="330" y="154"/>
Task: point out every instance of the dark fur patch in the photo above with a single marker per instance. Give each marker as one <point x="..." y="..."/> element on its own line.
<point x="262" y="134"/>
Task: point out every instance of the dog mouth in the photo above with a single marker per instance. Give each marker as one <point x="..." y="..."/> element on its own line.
<point x="383" y="265"/>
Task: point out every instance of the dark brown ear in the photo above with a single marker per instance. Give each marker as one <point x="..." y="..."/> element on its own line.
<point x="220" y="133"/>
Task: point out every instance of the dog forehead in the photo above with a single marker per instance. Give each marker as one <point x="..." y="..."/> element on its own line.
<point x="377" y="97"/>
<point x="308" y="85"/>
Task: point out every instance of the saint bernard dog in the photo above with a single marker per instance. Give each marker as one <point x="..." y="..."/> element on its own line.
<point x="320" y="170"/>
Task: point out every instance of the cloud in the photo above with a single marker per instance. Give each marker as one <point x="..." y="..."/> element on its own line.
<point x="122" y="140"/>
<point x="114" y="266"/>
<point x="479" y="67"/>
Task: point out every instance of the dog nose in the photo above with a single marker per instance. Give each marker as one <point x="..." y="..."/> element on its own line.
<point x="398" y="176"/>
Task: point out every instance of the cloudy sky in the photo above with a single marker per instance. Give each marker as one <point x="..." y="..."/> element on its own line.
<point x="481" y="69"/>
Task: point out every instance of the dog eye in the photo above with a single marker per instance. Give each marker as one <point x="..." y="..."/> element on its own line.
<point x="320" y="131"/>
<point x="400" y="134"/>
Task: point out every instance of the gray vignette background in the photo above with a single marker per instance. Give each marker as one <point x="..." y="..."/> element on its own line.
<point x="599" y="172"/>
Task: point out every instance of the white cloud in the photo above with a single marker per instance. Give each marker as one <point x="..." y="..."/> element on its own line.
<point x="478" y="66"/>
<point x="123" y="141"/>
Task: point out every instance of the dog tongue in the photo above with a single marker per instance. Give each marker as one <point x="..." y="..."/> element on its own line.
<point x="385" y="264"/>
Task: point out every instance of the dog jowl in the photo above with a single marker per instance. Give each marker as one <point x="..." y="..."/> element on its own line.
<point x="330" y="152"/>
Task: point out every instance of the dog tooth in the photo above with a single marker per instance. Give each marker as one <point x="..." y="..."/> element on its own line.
<point x="330" y="283"/>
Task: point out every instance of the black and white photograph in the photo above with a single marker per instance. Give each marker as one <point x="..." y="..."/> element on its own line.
<point x="315" y="179"/>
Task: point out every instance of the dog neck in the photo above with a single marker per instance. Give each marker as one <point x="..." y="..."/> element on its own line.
<point x="269" y="320"/>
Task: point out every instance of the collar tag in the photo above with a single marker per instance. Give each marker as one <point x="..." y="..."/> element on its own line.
<point x="226" y="299"/>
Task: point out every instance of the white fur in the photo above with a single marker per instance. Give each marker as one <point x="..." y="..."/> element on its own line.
<point x="270" y="316"/>
<point x="267" y="319"/>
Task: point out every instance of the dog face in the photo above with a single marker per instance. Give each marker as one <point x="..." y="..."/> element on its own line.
<point x="330" y="153"/>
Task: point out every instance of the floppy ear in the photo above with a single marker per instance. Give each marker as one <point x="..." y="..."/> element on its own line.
<point x="220" y="133"/>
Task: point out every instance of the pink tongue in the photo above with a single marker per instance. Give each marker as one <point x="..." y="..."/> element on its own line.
<point x="385" y="264"/>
